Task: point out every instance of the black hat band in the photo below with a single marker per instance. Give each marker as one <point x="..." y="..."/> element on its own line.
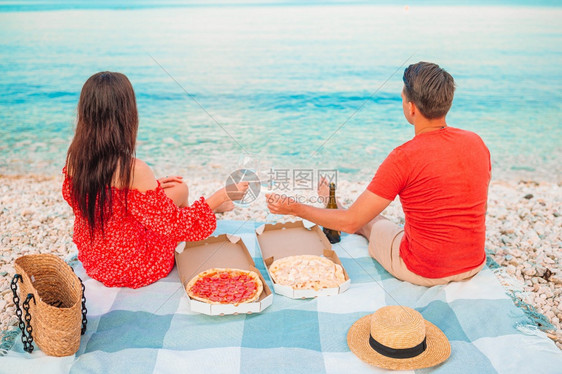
<point x="398" y="353"/>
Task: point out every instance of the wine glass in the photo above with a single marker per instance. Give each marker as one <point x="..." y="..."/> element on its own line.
<point x="246" y="171"/>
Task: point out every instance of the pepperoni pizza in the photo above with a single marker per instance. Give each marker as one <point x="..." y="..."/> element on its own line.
<point x="225" y="286"/>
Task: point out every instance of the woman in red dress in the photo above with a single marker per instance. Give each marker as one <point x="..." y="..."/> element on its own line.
<point x="127" y="223"/>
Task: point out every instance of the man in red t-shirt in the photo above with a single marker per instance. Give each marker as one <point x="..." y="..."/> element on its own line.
<point x="442" y="178"/>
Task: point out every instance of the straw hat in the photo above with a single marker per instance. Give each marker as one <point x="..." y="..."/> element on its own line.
<point x="393" y="338"/>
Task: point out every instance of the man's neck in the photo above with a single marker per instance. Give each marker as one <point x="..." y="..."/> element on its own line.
<point x="422" y="125"/>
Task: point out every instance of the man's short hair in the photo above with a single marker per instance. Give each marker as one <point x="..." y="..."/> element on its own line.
<point x="430" y="87"/>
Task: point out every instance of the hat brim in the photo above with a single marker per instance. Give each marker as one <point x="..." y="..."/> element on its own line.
<point x="438" y="348"/>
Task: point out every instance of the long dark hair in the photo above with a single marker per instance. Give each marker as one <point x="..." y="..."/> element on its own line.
<point x="104" y="142"/>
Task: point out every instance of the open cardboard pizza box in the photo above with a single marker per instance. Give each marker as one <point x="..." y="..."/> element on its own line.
<point x="297" y="238"/>
<point x="223" y="251"/>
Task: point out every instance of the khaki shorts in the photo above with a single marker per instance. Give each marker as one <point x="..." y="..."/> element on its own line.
<point x="384" y="246"/>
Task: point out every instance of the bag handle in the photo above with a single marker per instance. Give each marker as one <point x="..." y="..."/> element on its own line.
<point x="26" y="339"/>
<point x="84" y="310"/>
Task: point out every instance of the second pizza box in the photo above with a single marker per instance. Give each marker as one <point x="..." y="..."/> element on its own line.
<point x="223" y="251"/>
<point x="297" y="238"/>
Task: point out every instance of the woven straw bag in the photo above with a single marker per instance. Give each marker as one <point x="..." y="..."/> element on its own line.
<point x="54" y="304"/>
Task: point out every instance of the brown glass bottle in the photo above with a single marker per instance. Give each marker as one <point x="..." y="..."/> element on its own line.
<point x="332" y="235"/>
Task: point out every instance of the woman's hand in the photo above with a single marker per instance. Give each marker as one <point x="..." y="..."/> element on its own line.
<point x="231" y="192"/>
<point x="236" y="191"/>
<point x="281" y="204"/>
<point x="168" y="181"/>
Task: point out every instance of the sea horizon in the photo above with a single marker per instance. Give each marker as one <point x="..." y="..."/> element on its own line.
<point x="46" y="5"/>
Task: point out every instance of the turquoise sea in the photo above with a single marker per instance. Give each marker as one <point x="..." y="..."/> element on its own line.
<point x="293" y="84"/>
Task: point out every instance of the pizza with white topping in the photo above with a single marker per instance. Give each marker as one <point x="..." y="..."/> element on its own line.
<point x="307" y="272"/>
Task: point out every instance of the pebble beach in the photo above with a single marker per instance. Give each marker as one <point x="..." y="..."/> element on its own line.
<point x="524" y="234"/>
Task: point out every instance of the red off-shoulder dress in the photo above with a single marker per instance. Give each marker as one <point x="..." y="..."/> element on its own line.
<point x="137" y="245"/>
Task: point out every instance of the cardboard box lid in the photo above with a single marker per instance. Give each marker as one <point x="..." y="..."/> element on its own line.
<point x="290" y="239"/>
<point x="223" y="251"/>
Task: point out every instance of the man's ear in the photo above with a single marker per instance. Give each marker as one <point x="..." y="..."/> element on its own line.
<point x="412" y="108"/>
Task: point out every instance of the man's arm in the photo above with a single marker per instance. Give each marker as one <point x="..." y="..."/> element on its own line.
<point x="364" y="209"/>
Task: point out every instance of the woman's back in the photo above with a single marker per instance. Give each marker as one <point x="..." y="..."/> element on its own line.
<point x="136" y="245"/>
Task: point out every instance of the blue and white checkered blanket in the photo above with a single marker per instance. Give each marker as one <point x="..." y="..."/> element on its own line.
<point x="152" y="330"/>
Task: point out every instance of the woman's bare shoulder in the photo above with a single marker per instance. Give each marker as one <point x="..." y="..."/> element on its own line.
<point x="143" y="177"/>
